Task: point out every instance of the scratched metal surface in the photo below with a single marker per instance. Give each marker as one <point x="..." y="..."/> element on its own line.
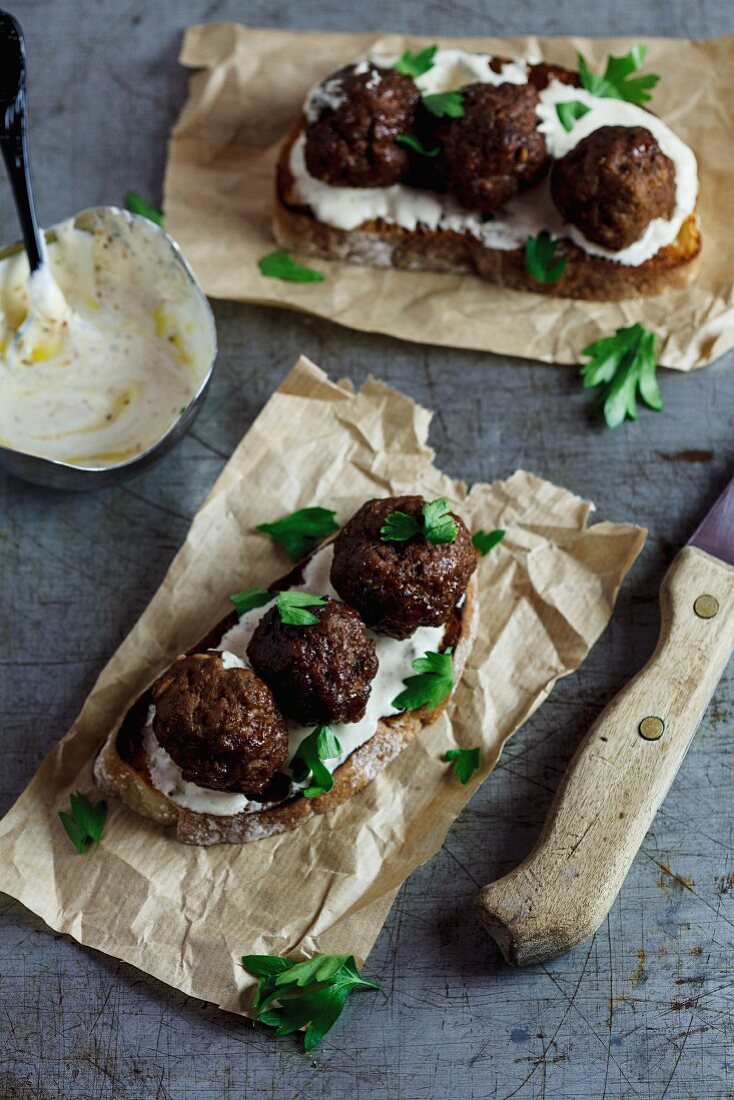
<point x="645" y="1008"/>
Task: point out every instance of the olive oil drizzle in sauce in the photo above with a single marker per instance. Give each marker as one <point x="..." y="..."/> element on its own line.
<point x="102" y="350"/>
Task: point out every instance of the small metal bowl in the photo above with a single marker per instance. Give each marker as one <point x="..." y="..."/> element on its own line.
<point x="54" y="474"/>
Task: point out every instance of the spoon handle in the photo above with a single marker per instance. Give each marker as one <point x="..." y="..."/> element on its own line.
<point x="14" y="134"/>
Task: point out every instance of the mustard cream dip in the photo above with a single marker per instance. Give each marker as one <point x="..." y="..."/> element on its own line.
<point x="102" y="349"/>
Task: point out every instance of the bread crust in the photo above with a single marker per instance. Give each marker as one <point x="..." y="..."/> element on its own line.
<point x="121" y="767"/>
<point x="379" y="244"/>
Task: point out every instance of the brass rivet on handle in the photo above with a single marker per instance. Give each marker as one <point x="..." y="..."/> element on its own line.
<point x="706" y="606"/>
<point x="651" y="728"/>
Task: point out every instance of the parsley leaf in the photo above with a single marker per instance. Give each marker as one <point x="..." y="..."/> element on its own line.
<point x="416" y="64"/>
<point x="136" y="204"/>
<point x="266" y="966"/>
<point x="434" y="682"/>
<point x="466" y="762"/>
<point x="310" y="994"/>
<point x="281" y="265"/>
<point x="541" y="262"/>
<point x="445" y="104"/>
<point x="300" y="532"/>
<point x="319" y="969"/>
<point x="439" y="525"/>
<point x="615" y="83"/>
<point x="400" y="527"/>
<point x="484" y="541"/>
<point x="436" y="523"/>
<point x="85" y="822"/>
<point x="417" y="145"/>
<point x="570" y="111"/>
<point x="292" y="607"/>
<point x="249" y="599"/>
<point x="624" y="365"/>
<point x="309" y="758"/>
<point x="90" y="816"/>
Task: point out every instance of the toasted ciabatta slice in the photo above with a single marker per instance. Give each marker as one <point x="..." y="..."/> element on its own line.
<point x="381" y="244"/>
<point x="122" y="767"/>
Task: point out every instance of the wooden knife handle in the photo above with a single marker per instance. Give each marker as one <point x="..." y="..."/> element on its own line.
<point x="620" y="774"/>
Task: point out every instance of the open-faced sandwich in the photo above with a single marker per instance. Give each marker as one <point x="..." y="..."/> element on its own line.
<point x="530" y="175"/>
<point x="301" y="696"/>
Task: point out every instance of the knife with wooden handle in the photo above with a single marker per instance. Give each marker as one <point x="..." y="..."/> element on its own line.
<point x="622" y="770"/>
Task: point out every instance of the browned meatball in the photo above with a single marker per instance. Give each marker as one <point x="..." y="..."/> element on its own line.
<point x="540" y="76"/>
<point x="613" y="183"/>
<point x="353" y="143"/>
<point x="320" y="673"/>
<point x="399" y="586"/>
<point x="494" y="151"/>
<point x="221" y="726"/>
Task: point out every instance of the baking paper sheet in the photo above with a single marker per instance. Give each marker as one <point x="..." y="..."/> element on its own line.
<point x="187" y="914"/>
<point x="248" y="92"/>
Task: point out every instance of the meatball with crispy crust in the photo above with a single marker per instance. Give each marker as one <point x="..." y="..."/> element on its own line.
<point x="613" y="183"/>
<point x="495" y="151"/>
<point x="320" y="673"/>
<point x="399" y="586"/>
<point x="220" y="725"/>
<point x="352" y="121"/>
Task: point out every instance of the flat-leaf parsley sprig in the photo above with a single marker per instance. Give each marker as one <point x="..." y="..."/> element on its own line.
<point x="465" y="761"/>
<point x="311" y="994"/>
<point x="615" y="83"/>
<point x="85" y="823"/>
<point x="484" y="541"/>
<point x="436" y="523"/>
<point x="308" y="760"/>
<point x="541" y="261"/>
<point x="136" y="204"/>
<point x="416" y="64"/>
<point x="250" y="599"/>
<point x="417" y="145"/>
<point x="569" y="112"/>
<point x="433" y="683"/>
<point x="300" y="532"/>
<point x="445" y="104"/>
<point x="281" y="265"/>
<point x="623" y="366"/>
<point x="292" y="605"/>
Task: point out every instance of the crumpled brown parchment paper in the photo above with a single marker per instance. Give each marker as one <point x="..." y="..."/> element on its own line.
<point x="248" y="92"/>
<point x="186" y="914"/>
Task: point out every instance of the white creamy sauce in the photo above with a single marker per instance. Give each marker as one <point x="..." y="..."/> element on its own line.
<point x="230" y="660"/>
<point x="166" y="777"/>
<point x="409" y="207"/>
<point x="452" y="69"/>
<point x="328" y="95"/>
<point x="394" y="657"/>
<point x="616" y="112"/>
<point x="48" y="311"/>
<point x="349" y="207"/>
<point x="363" y="67"/>
<point x="101" y="349"/>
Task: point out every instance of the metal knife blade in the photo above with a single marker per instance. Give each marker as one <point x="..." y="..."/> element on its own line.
<point x="715" y="533"/>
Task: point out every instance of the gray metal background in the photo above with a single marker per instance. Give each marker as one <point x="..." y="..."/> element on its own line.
<point x="645" y="1008"/>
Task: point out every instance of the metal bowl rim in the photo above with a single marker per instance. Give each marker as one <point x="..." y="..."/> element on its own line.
<point x="13" y="249"/>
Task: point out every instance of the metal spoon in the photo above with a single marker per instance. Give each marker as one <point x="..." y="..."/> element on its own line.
<point x="14" y="134"/>
<point x="48" y="472"/>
